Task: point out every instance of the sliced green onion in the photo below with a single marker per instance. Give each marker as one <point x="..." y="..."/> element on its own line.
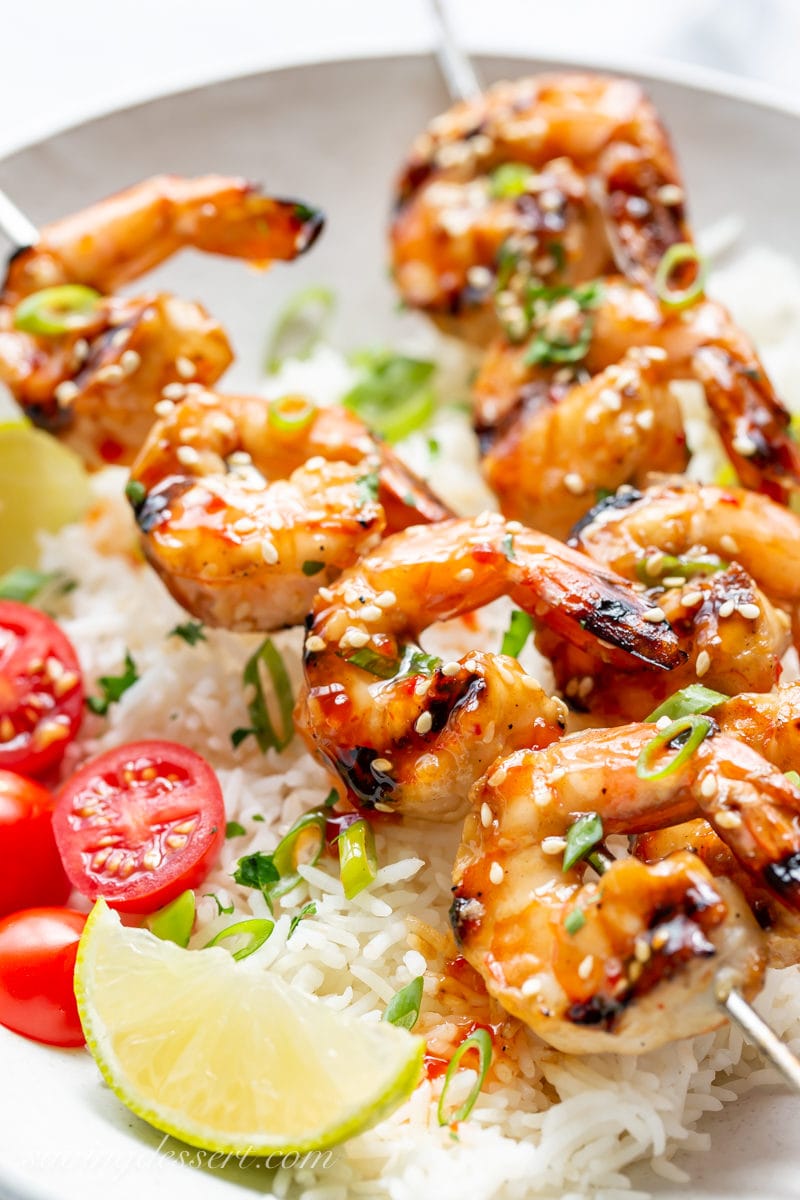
<point x="68" y="308"/>
<point x="582" y="836"/>
<point x="793" y="778"/>
<point x="174" y="922"/>
<point x="417" y="662"/>
<point x="380" y="665"/>
<point x="300" y="327"/>
<point x="519" y="630"/>
<point x="508" y="547"/>
<point x="403" y="1009"/>
<point x="222" y="910"/>
<point x="262" y="727"/>
<point x="303" y="843"/>
<point x="256" y="930"/>
<point x="308" y="910"/>
<point x="23" y="584"/>
<point x="510" y="180"/>
<point x="480" y="1041"/>
<point x="680" y="568"/>
<point x="574" y="921"/>
<point x="393" y="395"/>
<point x="698" y="729"/>
<point x="291" y="414"/>
<point x="689" y="701"/>
<point x="312" y="567"/>
<point x="368" y="486"/>
<point x="676" y="256"/>
<point x="358" y="863"/>
<point x="135" y="491"/>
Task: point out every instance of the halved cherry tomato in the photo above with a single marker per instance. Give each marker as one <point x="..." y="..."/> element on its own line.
<point x="41" y="691"/>
<point x="140" y="824"/>
<point x="30" y="865"/>
<point x="38" y="947"/>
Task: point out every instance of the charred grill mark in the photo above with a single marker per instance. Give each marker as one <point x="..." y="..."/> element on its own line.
<point x="599" y="1010"/>
<point x="618" y="502"/>
<point x="50" y="416"/>
<point x="618" y="620"/>
<point x="154" y="509"/>
<point x="367" y="783"/>
<point x="783" y="877"/>
<point x="306" y="223"/>
<point x="466" y="914"/>
<point x="447" y="696"/>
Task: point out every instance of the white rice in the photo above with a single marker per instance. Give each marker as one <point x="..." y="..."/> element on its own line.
<point x="545" y="1124"/>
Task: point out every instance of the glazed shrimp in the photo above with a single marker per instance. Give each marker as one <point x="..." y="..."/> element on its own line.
<point x="411" y="735"/>
<point x="719" y="564"/>
<point x="96" y="385"/>
<point x="626" y="962"/>
<point x="542" y="365"/>
<point x="246" y="506"/>
<point x="558" y="178"/>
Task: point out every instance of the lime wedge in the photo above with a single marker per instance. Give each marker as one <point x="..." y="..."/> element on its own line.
<point x="229" y="1058"/>
<point x="42" y="486"/>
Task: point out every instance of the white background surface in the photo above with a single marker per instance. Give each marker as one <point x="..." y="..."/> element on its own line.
<point x="65" y="60"/>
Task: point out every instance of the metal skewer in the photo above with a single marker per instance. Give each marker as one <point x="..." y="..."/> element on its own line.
<point x="459" y="74"/>
<point x="15" y="225"/>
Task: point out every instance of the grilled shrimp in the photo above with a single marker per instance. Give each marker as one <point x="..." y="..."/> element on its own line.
<point x="96" y="382"/>
<point x="556" y="178"/>
<point x="555" y="341"/>
<point x="410" y="734"/>
<point x="246" y="506"/>
<point x="770" y="724"/>
<point x="628" y="961"/>
<point x="719" y="562"/>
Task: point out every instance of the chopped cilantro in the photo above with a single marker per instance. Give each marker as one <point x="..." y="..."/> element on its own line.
<point x="113" y="687"/>
<point x="190" y="631"/>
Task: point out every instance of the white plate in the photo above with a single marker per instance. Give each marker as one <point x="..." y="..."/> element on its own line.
<point x="333" y="134"/>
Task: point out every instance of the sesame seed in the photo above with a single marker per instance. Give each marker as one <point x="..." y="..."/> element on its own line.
<point x="726" y="608"/>
<point x="130" y="361"/>
<point x="610" y="400"/>
<point x="575" y="483"/>
<point x="708" y="787"/>
<point x="315" y="643"/>
<point x="663" y="722"/>
<point x="673" y="581"/>
<point x="81" y="350"/>
<point x="450" y="669"/>
<point x="479" y="277"/>
<point x="381" y="764"/>
<point x="355" y="637"/>
<point x="654" y="616"/>
<point x="269" y="552"/>
<point x="653" y="563"/>
<point x="550" y="200"/>
<point x="164" y="408"/>
<point x="173" y="391"/>
<point x="424" y="723"/>
<point x="703" y="663"/>
<point x="244" y="525"/>
<point x="326" y="594"/>
<point x="750" y="612"/>
<point x="371" y="612"/>
<point x="514" y="526"/>
<point x="239" y="458"/>
<point x="386" y="600"/>
<point x="641" y="950"/>
<point x="112" y="373"/>
<point x="187" y="456"/>
<point x="380" y="807"/>
<point x="553" y="845"/>
<point x="531" y="987"/>
<point x="585" y="967"/>
<point x="496" y="873"/>
<point x="185" y="367"/>
<point x="465" y="575"/>
<point x="487" y="816"/>
<point x="691" y="599"/>
<point x="645" y="418"/>
<point x="670" y="194"/>
<point x="728" y="820"/>
<point x="744" y="445"/>
<point x="585" y="687"/>
<point x="728" y="544"/>
<point x="66" y="392"/>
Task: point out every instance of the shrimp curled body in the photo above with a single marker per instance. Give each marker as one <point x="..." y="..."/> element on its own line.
<point x="412" y="736"/>
<point x="627" y="961"/>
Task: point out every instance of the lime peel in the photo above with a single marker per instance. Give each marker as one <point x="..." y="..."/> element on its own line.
<point x="161" y="1021"/>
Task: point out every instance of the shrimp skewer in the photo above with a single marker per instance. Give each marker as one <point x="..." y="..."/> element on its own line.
<point x="246" y="507"/>
<point x="95" y="385"/>
<point x="719" y="562"/>
<point x="630" y="961"/>
<point x="411" y="735"/>
<point x="558" y="178"/>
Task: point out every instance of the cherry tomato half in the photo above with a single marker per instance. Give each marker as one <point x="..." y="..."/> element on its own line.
<point x="41" y="691"/>
<point x="140" y="824"/>
<point x="30" y="865"/>
<point x="38" y="947"/>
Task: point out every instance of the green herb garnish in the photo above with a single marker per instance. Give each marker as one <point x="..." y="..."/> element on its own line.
<point x="482" y="1042"/>
<point x="257" y="871"/>
<point x="380" y="665"/>
<point x="135" y="492"/>
<point x="689" y="701"/>
<point x="677" y="256"/>
<point x="53" y="311"/>
<point x="696" y="727"/>
<point x="24" y="584"/>
<point x="300" y="326"/>
<point x="403" y="1009"/>
<point x="510" y="180"/>
<point x="191" y="632"/>
<point x="582" y="836"/>
<point x="393" y="394"/>
<point x="174" y="922"/>
<point x="256" y="930"/>
<point x="222" y="910"/>
<point x="113" y="687"/>
<point x="358" y="863"/>
<point x="308" y="910"/>
<point x="262" y="727"/>
<point x="669" y="565"/>
<point x="519" y="630"/>
<point x="574" y="921"/>
<point x="234" y="829"/>
<point x="312" y="567"/>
